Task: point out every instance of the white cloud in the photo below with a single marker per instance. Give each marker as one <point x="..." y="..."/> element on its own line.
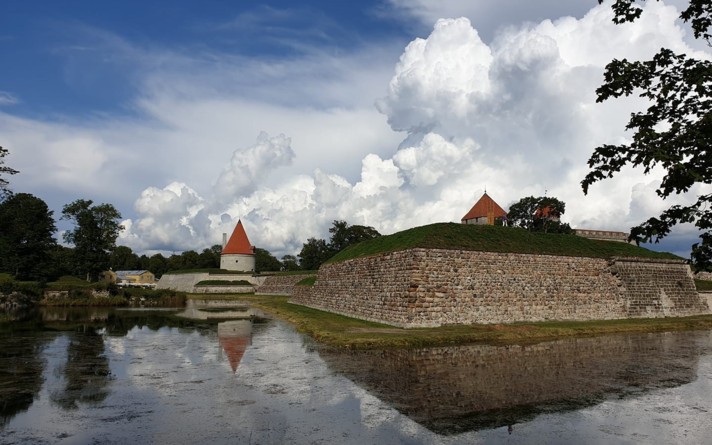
<point x="249" y="166"/>
<point x="516" y="115"/>
<point x="7" y="98"/>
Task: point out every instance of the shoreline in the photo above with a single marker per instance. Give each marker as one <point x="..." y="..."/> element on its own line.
<point x="349" y="333"/>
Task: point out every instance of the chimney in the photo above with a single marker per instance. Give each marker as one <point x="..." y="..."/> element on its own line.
<point x="224" y="239"/>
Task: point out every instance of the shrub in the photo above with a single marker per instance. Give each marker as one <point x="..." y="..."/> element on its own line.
<point x="8" y="285"/>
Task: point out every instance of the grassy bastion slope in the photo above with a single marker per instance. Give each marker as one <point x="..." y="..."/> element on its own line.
<point x="451" y="236"/>
<point x="444" y="274"/>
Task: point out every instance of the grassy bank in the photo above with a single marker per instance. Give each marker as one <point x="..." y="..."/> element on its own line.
<point x="703" y="285"/>
<point x="345" y="332"/>
<point x="495" y="239"/>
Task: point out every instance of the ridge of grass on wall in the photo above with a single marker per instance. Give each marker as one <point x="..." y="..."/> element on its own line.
<point x="451" y="236"/>
<point x="224" y="283"/>
<point x="308" y="281"/>
<point x="703" y="285"/>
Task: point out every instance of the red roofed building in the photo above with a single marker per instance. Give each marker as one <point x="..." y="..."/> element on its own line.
<point x="547" y="212"/>
<point x="484" y="212"/>
<point x="238" y="253"/>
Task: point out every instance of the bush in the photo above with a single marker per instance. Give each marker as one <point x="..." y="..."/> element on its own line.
<point x="8" y="285"/>
<point x="153" y="297"/>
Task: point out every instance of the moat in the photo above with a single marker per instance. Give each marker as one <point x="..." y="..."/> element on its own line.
<point x="136" y="376"/>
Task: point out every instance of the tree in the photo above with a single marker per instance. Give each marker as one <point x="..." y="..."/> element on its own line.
<point x="210" y="258"/>
<point x="26" y="236"/>
<point x="290" y="262"/>
<point x="343" y="235"/>
<point x="123" y="258"/>
<point x="265" y="261"/>
<point x="94" y="235"/>
<point x="190" y="259"/>
<point x="314" y="252"/>
<point x="675" y="132"/>
<point x="61" y="263"/>
<point x="540" y="214"/>
<point x="701" y="256"/>
<point x="158" y="265"/>
<point x="317" y="251"/>
<point x="4" y="170"/>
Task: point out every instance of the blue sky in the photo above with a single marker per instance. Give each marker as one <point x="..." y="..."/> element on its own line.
<point x="60" y="65"/>
<point x="392" y="113"/>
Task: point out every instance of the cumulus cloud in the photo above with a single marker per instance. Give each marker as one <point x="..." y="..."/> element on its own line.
<point x="517" y="116"/>
<point x="514" y="113"/>
<point x="248" y="166"/>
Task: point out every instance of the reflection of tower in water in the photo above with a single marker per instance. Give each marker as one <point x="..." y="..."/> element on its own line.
<point x="234" y="337"/>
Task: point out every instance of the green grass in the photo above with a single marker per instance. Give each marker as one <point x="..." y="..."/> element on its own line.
<point x="208" y="271"/>
<point x="221" y="297"/>
<point x="283" y="273"/>
<point x="703" y="285"/>
<point x="345" y="332"/>
<point x="68" y="282"/>
<point x="495" y="239"/>
<point x="224" y="283"/>
<point x="308" y="281"/>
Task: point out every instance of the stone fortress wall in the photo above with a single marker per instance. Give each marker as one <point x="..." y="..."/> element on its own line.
<point x="433" y="287"/>
<point x="280" y="284"/>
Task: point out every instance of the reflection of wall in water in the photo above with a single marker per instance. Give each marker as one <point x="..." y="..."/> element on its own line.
<point x="454" y="389"/>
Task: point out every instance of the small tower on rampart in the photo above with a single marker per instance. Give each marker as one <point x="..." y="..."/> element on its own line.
<point x="238" y="253"/>
<point x="485" y="212"/>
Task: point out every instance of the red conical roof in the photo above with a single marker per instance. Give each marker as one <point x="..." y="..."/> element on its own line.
<point x="485" y="207"/>
<point x="234" y="348"/>
<point x="238" y="242"/>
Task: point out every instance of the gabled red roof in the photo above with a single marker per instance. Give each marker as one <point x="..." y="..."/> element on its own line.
<point x="485" y="207"/>
<point x="238" y="242"/>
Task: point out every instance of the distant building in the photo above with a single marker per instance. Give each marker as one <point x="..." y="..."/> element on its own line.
<point x="604" y="235"/>
<point x="143" y="278"/>
<point x="238" y="253"/>
<point x="485" y="212"/>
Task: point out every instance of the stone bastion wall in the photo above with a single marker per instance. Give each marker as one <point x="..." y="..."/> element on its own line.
<point x="280" y="284"/>
<point x="432" y="287"/>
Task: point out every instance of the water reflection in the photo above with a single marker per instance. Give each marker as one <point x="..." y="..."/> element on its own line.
<point x="152" y="377"/>
<point x="21" y="366"/>
<point x="454" y="389"/>
<point x="220" y="310"/>
<point x="235" y="337"/>
<point x="86" y="372"/>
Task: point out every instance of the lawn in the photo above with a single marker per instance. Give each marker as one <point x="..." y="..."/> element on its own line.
<point x="345" y="332"/>
<point x="495" y="239"/>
